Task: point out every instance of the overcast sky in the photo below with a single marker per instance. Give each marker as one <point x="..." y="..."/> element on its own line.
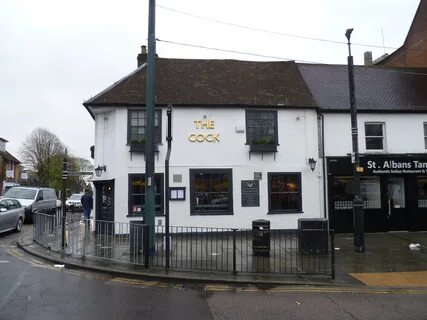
<point x="55" y="54"/>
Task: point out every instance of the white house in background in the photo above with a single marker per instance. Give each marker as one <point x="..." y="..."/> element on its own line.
<point x="392" y="126"/>
<point x="243" y="134"/>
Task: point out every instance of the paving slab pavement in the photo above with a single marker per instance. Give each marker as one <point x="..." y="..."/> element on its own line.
<point x="387" y="262"/>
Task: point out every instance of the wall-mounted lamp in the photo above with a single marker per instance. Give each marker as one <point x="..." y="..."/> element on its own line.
<point x="99" y="169"/>
<point x="312" y="164"/>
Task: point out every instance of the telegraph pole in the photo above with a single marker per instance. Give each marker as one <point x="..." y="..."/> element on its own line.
<point x="149" y="134"/>
<point x="358" y="219"/>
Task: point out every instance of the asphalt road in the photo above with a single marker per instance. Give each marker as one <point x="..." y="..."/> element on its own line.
<point x="33" y="289"/>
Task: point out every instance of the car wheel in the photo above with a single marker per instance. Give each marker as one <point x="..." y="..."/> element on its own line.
<point x="19" y="224"/>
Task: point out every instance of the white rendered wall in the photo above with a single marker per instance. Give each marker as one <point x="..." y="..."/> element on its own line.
<point x="297" y="130"/>
<point x="404" y="133"/>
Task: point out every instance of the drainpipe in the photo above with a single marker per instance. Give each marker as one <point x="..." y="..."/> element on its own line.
<point x="167" y="193"/>
<point x="322" y="119"/>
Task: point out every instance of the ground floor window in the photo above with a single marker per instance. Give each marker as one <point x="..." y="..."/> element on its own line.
<point x="284" y="192"/>
<point x="422" y="192"/>
<point x="137" y="194"/>
<point x="343" y="192"/>
<point x="211" y="191"/>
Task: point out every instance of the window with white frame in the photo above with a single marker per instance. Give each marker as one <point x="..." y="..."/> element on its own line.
<point x="425" y="135"/>
<point x="374" y="135"/>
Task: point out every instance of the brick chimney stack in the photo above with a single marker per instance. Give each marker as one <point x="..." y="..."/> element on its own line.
<point x="368" y="58"/>
<point x="142" y="57"/>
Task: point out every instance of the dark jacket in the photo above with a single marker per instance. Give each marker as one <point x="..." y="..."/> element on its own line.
<point x="87" y="201"/>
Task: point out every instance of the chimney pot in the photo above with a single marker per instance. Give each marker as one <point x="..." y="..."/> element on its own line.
<point x="142" y="57"/>
<point x="368" y="58"/>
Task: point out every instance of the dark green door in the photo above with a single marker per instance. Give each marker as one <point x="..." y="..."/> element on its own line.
<point x="104" y="202"/>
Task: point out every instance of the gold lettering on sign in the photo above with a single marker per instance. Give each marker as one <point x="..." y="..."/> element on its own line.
<point x="204" y="137"/>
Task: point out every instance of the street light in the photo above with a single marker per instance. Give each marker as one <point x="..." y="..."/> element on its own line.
<point x="312" y="164"/>
<point x="99" y="170"/>
<point x="358" y="219"/>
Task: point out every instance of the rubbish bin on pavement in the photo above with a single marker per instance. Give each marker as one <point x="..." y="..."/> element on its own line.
<point x="313" y="235"/>
<point x="261" y="237"/>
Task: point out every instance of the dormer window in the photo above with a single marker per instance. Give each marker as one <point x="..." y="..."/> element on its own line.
<point x="137" y="123"/>
<point x="261" y="130"/>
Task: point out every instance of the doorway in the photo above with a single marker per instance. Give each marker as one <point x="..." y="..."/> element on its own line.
<point x="104" y="205"/>
<point x="396" y="204"/>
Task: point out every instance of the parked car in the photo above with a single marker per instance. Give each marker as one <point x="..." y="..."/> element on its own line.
<point x="74" y="203"/>
<point x="42" y="200"/>
<point x="12" y="215"/>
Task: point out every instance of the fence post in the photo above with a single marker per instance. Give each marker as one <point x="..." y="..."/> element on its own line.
<point x="234" y="251"/>
<point x="86" y="226"/>
<point x="146" y="244"/>
<point x="331" y="232"/>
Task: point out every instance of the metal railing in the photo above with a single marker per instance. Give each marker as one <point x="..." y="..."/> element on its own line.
<point x="308" y="251"/>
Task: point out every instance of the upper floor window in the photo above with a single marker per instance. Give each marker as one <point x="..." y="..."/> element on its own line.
<point x="425" y="135"/>
<point x="374" y="135"/>
<point x="137" y="123"/>
<point x="261" y="130"/>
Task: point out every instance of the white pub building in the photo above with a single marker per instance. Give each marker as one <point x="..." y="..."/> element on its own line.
<point x="264" y="140"/>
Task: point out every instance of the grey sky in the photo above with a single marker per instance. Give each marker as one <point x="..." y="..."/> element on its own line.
<point x="55" y="54"/>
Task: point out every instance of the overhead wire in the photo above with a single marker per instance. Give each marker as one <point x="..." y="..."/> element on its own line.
<point x="269" y="31"/>
<point x="233" y="51"/>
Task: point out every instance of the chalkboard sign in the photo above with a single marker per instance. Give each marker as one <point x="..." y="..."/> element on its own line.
<point x="250" y="193"/>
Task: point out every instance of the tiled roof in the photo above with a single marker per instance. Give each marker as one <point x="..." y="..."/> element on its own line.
<point x="376" y="88"/>
<point x="213" y="82"/>
<point x="8" y="156"/>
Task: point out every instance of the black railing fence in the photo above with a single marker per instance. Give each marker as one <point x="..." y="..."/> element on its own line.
<point x="309" y="252"/>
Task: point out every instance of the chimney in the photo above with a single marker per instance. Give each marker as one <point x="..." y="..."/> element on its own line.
<point x="142" y="57"/>
<point x="368" y="58"/>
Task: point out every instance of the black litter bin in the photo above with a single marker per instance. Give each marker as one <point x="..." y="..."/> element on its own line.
<point x="136" y="239"/>
<point x="313" y="235"/>
<point x="261" y="237"/>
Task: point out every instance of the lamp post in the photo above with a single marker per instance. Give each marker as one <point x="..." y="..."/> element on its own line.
<point x="358" y="219"/>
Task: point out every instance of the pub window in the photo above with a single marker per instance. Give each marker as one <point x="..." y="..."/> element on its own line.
<point x="422" y="192"/>
<point x="343" y="193"/>
<point x="425" y="135"/>
<point x="261" y="130"/>
<point x="137" y="123"/>
<point x="374" y="135"/>
<point x="284" y="193"/>
<point x="137" y="194"/>
<point x="211" y="191"/>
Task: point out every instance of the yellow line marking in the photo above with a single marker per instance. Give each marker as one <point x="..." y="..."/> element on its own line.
<point x="393" y="279"/>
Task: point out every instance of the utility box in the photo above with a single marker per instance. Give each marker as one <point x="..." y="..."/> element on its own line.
<point x="261" y="237"/>
<point x="136" y="237"/>
<point x="313" y="235"/>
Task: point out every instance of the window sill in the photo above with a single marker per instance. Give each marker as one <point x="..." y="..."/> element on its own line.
<point x="263" y="147"/>
<point x="140" y="215"/>
<point x="286" y="212"/>
<point x="210" y="213"/>
<point x="141" y="148"/>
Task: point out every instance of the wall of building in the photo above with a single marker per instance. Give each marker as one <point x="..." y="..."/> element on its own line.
<point x="404" y="133"/>
<point x="297" y="131"/>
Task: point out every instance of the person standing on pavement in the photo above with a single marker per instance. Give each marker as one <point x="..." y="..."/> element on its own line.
<point x="87" y="204"/>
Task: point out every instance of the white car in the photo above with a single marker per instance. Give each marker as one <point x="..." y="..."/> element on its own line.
<point x="74" y="203"/>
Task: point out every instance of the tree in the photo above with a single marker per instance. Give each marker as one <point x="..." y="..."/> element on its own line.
<point x="42" y="153"/>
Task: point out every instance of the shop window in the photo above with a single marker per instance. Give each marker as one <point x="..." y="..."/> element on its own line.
<point x="261" y="130"/>
<point x="422" y="192"/>
<point x="374" y="135"/>
<point x="425" y="135"/>
<point x="284" y="193"/>
<point x="137" y="123"/>
<point x="137" y="194"/>
<point x="211" y="191"/>
<point x="343" y="193"/>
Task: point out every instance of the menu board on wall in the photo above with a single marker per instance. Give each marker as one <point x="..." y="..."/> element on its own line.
<point x="250" y="193"/>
